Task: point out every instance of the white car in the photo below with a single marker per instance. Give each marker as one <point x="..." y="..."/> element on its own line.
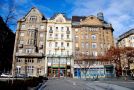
<point x="6" y="75"/>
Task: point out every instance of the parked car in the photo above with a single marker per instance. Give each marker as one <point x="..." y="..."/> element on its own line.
<point x="6" y="75"/>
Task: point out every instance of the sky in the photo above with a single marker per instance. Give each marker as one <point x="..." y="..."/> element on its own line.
<point x="120" y="13"/>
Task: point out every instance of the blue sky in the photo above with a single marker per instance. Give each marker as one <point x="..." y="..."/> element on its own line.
<point x="118" y="12"/>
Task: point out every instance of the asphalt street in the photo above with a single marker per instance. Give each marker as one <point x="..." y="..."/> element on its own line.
<point x="74" y="84"/>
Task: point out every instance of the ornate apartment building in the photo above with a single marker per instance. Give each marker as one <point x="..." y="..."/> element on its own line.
<point x="29" y="48"/>
<point x="59" y="46"/>
<point x="93" y="36"/>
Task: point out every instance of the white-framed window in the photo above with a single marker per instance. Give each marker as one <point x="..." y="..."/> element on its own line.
<point x="94" y="45"/>
<point x="30" y="50"/>
<point x="23" y="26"/>
<point x="93" y="37"/>
<point x="22" y="34"/>
<point x="33" y="19"/>
<point x="42" y="27"/>
<point x="50" y="52"/>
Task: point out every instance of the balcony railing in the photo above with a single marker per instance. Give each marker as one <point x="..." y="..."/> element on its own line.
<point x="62" y="48"/>
<point x="68" y="39"/>
<point x="29" y="54"/>
<point x="50" y="38"/>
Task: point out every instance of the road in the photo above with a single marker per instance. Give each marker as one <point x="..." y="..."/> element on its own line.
<point x="74" y="84"/>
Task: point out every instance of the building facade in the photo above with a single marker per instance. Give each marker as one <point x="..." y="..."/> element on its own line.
<point x="126" y="40"/>
<point x="92" y="36"/>
<point x="59" y="46"/>
<point x="29" y="48"/>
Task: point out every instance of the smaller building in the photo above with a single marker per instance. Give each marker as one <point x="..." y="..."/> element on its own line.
<point x="126" y="40"/>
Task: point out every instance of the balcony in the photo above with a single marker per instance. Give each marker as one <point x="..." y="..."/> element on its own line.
<point x="62" y="48"/>
<point x="68" y="39"/>
<point x="20" y="45"/>
<point x="50" y="39"/>
<point x="56" y="48"/>
<point x="29" y="54"/>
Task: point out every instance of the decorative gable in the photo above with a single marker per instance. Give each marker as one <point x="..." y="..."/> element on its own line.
<point x="91" y="20"/>
<point x="33" y="14"/>
<point x="60" y="18"/>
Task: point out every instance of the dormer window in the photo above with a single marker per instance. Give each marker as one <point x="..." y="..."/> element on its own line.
<point x="33" y="19"/>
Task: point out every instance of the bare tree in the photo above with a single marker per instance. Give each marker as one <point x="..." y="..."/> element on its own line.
<point x="10" y="17"/>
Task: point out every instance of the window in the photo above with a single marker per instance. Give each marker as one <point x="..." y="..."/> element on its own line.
<point x="33" y="19"/>
<point x="22" y="34"/>
<point x="93" y="37"/>
<point x="67" y="28"/>
<point x="29" y="50"/>
<point x="39" y="70"/>
<point x="62" y="44"/>
<point x="94" y="45"/>
<point x="56" y="44"/>
<point x="67" y="52"/>
<point x="87" y="45"/>
<point x="67" y="36"/>
<point x="67" y="44"/>
<point x="23" y="26"/>
<point x="82" y="44"/>
<point x="51" y="28"/>
<point x="56" y="28"/>
<point x="50" y="35"/>
<point x="62" y="36"/>
<point x="56" y="35"/>
<point x="62" y="29"/>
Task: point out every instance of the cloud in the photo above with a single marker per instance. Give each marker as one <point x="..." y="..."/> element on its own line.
<point x="118" y="12"/>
